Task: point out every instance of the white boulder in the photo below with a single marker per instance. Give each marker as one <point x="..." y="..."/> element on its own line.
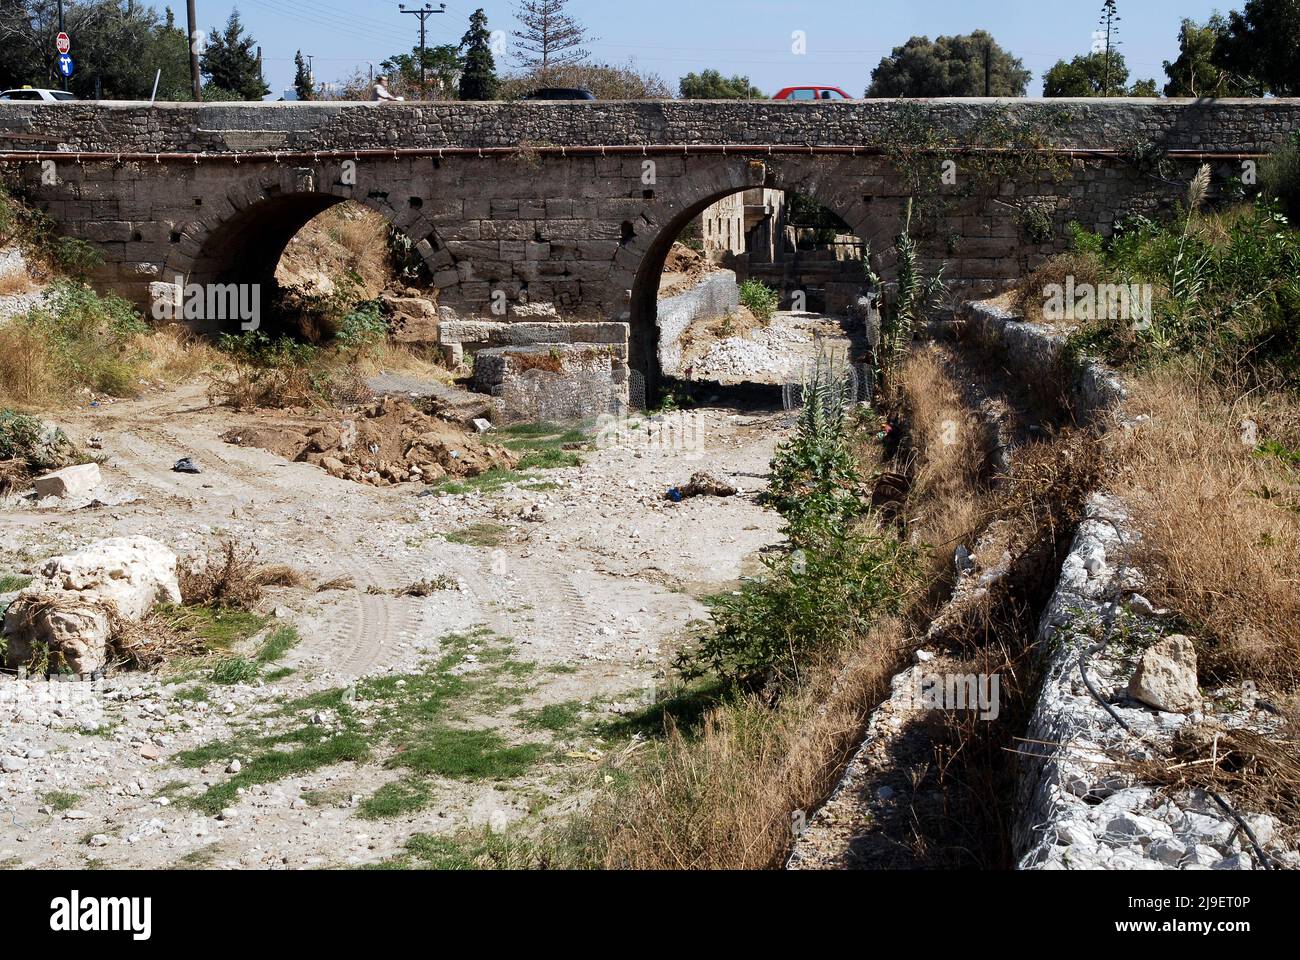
<point x="71" y="605"/>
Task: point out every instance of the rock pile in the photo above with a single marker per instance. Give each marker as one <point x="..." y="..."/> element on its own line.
<point x="391" y="441"/>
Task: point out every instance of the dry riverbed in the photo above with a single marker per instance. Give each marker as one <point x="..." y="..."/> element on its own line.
<point x="551" y="610"/>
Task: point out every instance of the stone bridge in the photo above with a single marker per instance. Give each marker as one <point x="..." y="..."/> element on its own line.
<point x="577" y="203"/>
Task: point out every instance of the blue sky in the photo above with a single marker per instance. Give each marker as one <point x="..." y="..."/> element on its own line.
<point x="845" y="38"/>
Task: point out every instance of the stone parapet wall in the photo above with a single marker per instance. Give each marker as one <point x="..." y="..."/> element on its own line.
<point x="1221" y="125"/>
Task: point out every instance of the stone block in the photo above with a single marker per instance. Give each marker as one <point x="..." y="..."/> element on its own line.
<point x="69" y="482"/>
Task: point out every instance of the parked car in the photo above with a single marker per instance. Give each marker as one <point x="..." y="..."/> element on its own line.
<point x="36" y="93"/>
<point x="809" y="94"/>
<point x="560" y="93"/>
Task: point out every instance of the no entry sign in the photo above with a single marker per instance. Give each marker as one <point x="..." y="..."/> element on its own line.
<point x="63" y="43"/>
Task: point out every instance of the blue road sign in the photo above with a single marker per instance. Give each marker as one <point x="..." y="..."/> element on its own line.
<point x="65" y="65"/>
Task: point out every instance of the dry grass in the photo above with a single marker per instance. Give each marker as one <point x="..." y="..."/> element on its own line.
<point x="346" y="237"/>
<point x="723" y="798"/>
<point x="947" y="460"/>
<point x="33" y="376"/>
<point x="1261" y="772"/>
<point x="15" y="280"/>
<point x="175" y="354"/>
<point x="275" y="388"/>
<point x="29" y="371"/>
<point x="1029" y="298"/>
<point x="1220" y="522"/>
<point x="231" y="577"/>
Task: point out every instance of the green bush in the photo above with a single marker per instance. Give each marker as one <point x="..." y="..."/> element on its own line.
<point x="363" y="327"/>
<point x="1279" y="179"/>
<point x="760" y="299"/>
<point x="258" y="349"/>
<point x="815" y="474"/>
<point x="37" y="232"/>
<point x="811" y="600"/>
<point x="40" y="446"/>
<point x="88" y="338"/>
<point x="1226" y="292"/>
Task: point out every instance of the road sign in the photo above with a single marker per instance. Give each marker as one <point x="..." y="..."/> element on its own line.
<point x="65" y="65"/>
<point x="63" y="43"/>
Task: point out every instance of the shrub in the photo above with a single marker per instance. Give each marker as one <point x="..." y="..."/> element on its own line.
<point x="812" y="600"/>
<point x="760" y="299"/>
<point x="1279" y="179"/>
<point x="363" y="327"/>
<point x="78" y="340"/>
<point x="38" y="445"/>
<point x="814" y="473"/>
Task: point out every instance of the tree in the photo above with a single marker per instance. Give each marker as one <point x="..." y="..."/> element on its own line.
<point x="229" y="63"/>
<point x="712" y="85"/>
<point x="968" y="65"/>
<point x="478" y="79"/>
<point x="442" y="69"/>
<point x="550" y="37"/>
<point x="1094" y="75"/>
<point x="1261" y="46"/>
<point x="302" y="79"/>
<point x="117" y="49"/>
<point x="1196" y="73"/>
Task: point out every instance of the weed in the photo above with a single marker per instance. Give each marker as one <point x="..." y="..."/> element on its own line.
<point x="760" y="299"/>
<point x="233" y="670"/>
<point x="484" y="534"/>
<point x="278" y="643"/>
<point x="60" y="800"/>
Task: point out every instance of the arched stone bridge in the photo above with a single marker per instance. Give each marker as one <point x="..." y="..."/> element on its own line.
<point x="578" y="203"/>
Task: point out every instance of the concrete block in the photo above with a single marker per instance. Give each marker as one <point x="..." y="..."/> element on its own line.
<point x="69" y="482"/>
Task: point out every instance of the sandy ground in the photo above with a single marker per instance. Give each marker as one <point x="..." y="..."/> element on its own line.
<point x="595" y="580"/>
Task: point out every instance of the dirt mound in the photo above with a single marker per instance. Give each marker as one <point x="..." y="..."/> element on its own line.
<point x="683" y="269"/>
<point x="389" y="442"/>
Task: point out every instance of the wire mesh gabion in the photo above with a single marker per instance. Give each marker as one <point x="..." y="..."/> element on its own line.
<point x="842" y="381"/>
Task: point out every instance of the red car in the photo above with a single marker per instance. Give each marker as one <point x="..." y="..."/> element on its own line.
<point x="809" y="94"/>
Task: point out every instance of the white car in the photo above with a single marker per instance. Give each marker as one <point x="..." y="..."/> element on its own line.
<point x="36" y="93"/>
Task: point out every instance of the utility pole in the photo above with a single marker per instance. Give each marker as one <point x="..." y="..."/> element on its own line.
<point x="196" y="88"/>
<point x="424" y="13"/>
<point x="988" y="68"/>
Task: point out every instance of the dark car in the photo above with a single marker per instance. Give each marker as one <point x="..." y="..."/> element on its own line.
<point x="560" y="93"/>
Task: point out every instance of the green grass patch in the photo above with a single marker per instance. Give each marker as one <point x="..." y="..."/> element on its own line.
<point x="195" y="694"/>
<point x="468" y="755"/>
<point x="555" y="717"/>
<point x="417" y="720"/>
<point x="549" y="460"/>
<point x="278" y="643"/>
<point x="232" y="670"/>
<point x="13" y="582"/>
<point x="395" y="799"/>
<point x="219" y="629"/>
<point x="60" y="800"/>
<point x="685" y="707"/>
<point x="275" y="676"/>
